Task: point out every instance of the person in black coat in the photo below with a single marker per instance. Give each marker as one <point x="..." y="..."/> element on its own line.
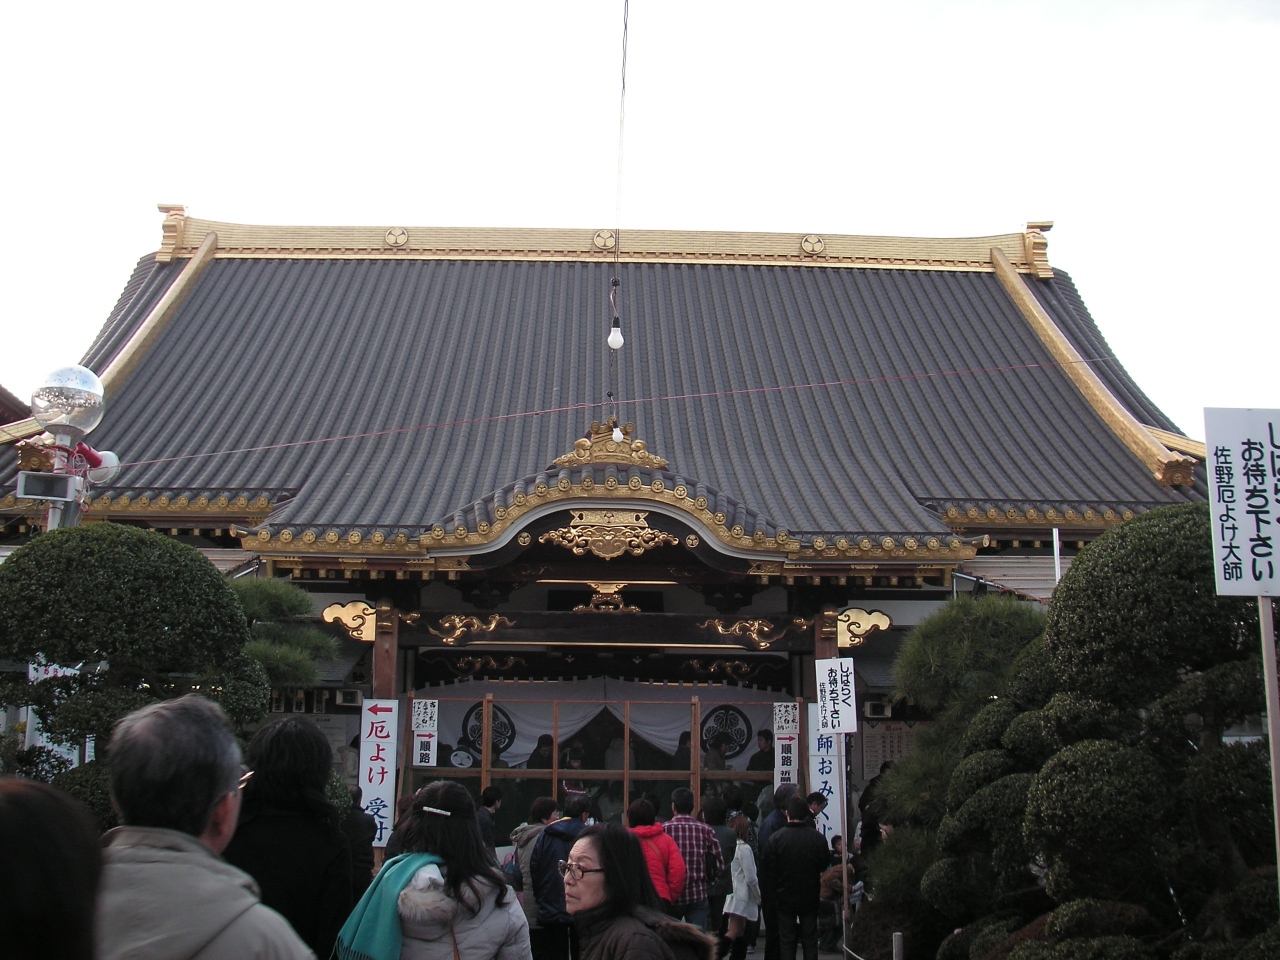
<point x="556" y="936"/>
<point x="289" y="838"/>
<point x="792" y="862"/>
<point x="360" y="829"/>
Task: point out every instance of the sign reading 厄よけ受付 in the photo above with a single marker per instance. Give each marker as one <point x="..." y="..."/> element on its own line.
<point x="786" y="744"/>
<point x="426" y="732"/>
<point x="379" y="736"/>
<point x="836" y="702"/>
<point x="1244" y="499"/>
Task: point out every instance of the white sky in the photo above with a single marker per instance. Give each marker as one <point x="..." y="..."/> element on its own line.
<point x="1146" y="130"/>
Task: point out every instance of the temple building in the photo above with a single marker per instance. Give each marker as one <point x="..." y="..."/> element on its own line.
<point x="806" y="444"/>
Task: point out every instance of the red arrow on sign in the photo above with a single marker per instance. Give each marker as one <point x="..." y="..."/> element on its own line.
<point x="378" y="708"/>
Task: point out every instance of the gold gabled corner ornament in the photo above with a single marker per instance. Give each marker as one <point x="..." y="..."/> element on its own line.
<point x="609" y="534"/>
<point x="854" y="624"/>
<point x="1036" y="246"/>
<point x="599" y="446"/>
<point x="172" y="230"/>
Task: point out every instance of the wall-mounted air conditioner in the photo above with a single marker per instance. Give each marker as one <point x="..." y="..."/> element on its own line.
<point x="350" y="698"/>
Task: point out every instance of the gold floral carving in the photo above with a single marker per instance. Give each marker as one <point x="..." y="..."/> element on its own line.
<point x="759" y="632"/>
<point x="469" y="666"/>
<point x="855" y="624"/>
<point x="456" y="626"/>
<point x="357" y="617"/>
<point x="609" y="534"/>
<point x="606" y="599"/>
<point x="599" y="446"/>
<point x="738" y="670"/>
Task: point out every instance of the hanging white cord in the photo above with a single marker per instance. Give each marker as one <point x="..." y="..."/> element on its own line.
<point x="611" y="394"/>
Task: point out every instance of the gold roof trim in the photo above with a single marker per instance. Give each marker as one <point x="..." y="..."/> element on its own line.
<point x="946" y="548"/>
<point x="1168" y="467"/>
<point x="1176" y="441"/>
<point x="598" y="446"/>
<point x="398" y="242"/>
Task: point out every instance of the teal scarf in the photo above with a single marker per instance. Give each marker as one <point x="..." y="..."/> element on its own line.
<point x="372" y="932"/>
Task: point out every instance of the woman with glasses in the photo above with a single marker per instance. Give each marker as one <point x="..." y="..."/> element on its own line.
<point x="444" y="898"/>
<point x="609" y="894"/>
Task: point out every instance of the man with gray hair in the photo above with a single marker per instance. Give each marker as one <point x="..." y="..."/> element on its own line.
<point x="166" y="894"/>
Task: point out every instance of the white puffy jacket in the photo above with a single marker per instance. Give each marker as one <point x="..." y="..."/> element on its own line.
<point x="430" y="920"/>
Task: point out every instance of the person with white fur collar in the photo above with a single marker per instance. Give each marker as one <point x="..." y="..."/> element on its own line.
<point x="445" y="899"/>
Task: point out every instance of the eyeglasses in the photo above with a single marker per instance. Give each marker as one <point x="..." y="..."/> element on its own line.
<point x="245" y="774"/>
<point x="568" y="868"/>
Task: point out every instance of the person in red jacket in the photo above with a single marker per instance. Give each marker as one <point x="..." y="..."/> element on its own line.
<point x="666" y="865"/>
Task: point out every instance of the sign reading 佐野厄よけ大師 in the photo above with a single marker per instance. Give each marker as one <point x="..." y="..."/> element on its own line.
<point x="379" y="737"/>
<point x="836" y="703"/>
<point x="786" y="744"/>
<point x="1244" y="499"/>
<point x="426" y="732"/>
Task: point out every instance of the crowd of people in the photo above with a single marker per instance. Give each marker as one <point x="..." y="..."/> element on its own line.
<point x="223" y="859"/>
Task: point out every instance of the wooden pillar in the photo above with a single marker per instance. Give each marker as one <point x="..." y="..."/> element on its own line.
<point x="695" y="755"/>
<point x="825" y="645"/>
<point x="386" y="652"/>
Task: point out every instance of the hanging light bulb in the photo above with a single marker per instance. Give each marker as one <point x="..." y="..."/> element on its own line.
<point x="617" y="434"/>
<point x="615" y="340"/>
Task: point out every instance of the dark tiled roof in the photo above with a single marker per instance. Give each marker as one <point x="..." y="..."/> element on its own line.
<point x="937" y="392"/>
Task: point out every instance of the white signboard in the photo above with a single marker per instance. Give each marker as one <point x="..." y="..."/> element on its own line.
<point x="826" y="774"/>
<point x="426" y="730"/>
<point x="1244" y="499"/>
<point x="35" y="736"/>
<point x="786" y="744"/>
<point x="379" y="729"/>
<point x="837" y="704"/>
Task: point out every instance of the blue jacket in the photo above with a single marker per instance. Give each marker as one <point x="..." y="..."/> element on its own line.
<point x="775" y="820"/>
<point x="552" y="846"/>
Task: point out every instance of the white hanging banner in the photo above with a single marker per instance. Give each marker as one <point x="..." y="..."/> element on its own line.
<point x="826" y="773"/>
<point x="524" y="710"/>
<point x="379" y="738"/>
<point x="837" y="703"/>
<point x="426" y="728"/>
<point x="1244" y="499"/>
<point x="786" y="744"/>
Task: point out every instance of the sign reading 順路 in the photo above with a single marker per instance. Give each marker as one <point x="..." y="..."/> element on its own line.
<point x="1244" y="499"/>
<point x="426" y="732"/>
<point x="786" y="744"/>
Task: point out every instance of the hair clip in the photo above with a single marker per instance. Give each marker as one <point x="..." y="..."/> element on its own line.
<point x="443" y="813"/>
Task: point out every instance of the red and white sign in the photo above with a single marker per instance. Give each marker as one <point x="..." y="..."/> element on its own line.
<point x="379" y="739"/>
<point x="786" y="744"/>
<point x="426" y="732"/>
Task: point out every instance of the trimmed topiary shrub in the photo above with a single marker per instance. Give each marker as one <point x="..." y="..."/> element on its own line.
<point x="1138" y="606"/>
<point x="974" y="772"/>
<point x="1094" y="948"/>
<point x="1098" y="918"/>
<point x="987" y="727"/>
<point x="1089" y="812"/>
<point x="89" y="784"/>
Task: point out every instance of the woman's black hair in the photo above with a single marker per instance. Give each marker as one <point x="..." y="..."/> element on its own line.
<point x="454" y="837"/>
<point x="291" y="762"/>
<point x="640" y="813"/>
<point x="714" y="810"/>
<point x="50" y="865"/>
<point x="627" y="883"/>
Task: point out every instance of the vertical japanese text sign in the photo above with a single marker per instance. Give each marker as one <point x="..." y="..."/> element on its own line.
<point x="1244" y="499"/>
<point x="837" y="704"/>
<point x="786" y="744"/>
<point x="426" y="729"/>
<point x="379" y="737"/>
<point x="826" y="774"/>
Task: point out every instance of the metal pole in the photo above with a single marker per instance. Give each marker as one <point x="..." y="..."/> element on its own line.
<point x="898" y="952"/>
<point x="1057" y="556"/>
<point x="845" y="918"/>
<point x="1268" y="629"/>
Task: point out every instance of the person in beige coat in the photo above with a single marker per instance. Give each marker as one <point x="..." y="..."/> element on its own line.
<point x="166" y="894"/>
